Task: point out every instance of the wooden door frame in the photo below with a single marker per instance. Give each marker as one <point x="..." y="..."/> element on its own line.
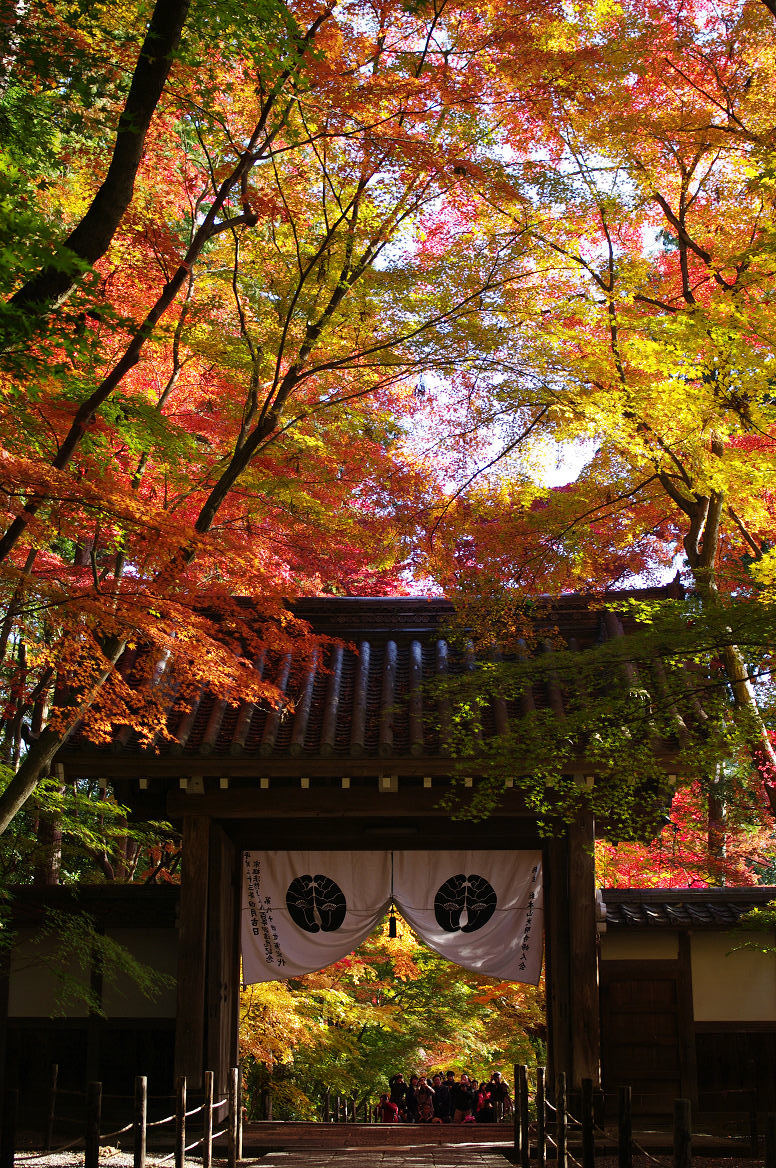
<point x="208" y="956"/>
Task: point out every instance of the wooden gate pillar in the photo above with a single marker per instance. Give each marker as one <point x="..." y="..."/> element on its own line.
<point x="557" y="959"/>
<point x="572" y="953"/>
<point x="192" y="949"/>
<point x="585" y="1011"/>
<point x="223" y="957"/>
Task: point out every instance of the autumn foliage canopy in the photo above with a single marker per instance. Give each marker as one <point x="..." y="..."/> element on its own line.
<point x="307" y="297"/>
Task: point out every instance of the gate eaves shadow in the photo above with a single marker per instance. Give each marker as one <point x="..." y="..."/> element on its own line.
<point x="359" y="764"/>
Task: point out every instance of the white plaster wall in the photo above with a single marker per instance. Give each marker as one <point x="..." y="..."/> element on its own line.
<point x="35" y="989"/>
<point x="732" y="987"/>
<point x="155" y="947"/>
<point x="640" y="946"/>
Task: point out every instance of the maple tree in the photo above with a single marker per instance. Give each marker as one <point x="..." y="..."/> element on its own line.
<point x="392" y="1005"/>
<point x="680" y="857"/>
<point x="646" y="332"/>
<point x="217" y="406"/>
<point x="247" y="295"/>
<point x="77" y="832"/>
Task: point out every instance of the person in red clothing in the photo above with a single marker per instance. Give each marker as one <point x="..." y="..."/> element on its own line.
<point x="484" y="1105"/>
<point x="387" y="1111"/>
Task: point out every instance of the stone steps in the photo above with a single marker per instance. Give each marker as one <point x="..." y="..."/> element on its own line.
<point x="272" y="1134"/>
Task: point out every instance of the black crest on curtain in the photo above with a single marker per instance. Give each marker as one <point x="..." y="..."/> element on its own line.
<point x="464" y="903"/>
<point x="316" y="904"/>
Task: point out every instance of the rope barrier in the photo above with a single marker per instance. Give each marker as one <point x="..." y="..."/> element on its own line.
<point x="573" y="1159"/>
<point x="122" y="1131"/>
<point x="119" y="1132"/>
<point x="161" y="1122"/>
<point x="572" y="1119"/>
<point x="654" y="1159"/>
<point x="188" y="1147"/>
<point x="603" y="1132"/>
<point x="53" y="1152"/>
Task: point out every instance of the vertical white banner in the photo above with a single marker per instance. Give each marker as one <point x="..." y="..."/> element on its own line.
<point x="483" y="910"/>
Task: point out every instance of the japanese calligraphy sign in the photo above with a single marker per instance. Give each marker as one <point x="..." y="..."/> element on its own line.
<point x="482" y="910"/>
<point x="303" y="910"/>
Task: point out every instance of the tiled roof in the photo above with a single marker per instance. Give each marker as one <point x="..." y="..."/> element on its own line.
<point x="367" y="697"/>
<point x="682" y="908"/>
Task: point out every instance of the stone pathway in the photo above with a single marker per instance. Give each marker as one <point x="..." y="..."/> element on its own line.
<point x="435" y="1156"/>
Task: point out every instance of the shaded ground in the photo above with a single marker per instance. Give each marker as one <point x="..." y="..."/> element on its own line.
<point x="438" y="1156"/>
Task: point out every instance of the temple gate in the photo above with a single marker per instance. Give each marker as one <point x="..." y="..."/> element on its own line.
<point x="359" y="764"/>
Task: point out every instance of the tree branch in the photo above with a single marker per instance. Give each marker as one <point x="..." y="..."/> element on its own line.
<point x="90" y="239"/>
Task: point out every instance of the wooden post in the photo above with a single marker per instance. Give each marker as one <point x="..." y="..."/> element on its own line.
<point x="599" y="1109"/>
<point x="139" y="1121"/>
<point x="8" y="1128"/>
<point x="239" y="1114"/>
<point x="686" y="1026"/>
<point x="232" y="1118"/>
<point x="52" y="1107"/>
<point x="561" y="1127"/>
<point x="207" y="1116"/>
<point x="682" y="1134"/>
<point x="525" y="1141"/>
<point x="92" y="1131"/>
<point x="770" y="1141"/>
<point x="624" y="1129"/>
<point x="583" y="935"/>
<point x="180" y="1121"/>
<point x="192" y="949"/>
<point x="518" y="1131"/>
<point x="541" y="1119"/>
<point x="557" y="955"/>
<point x="588" y="1129"/>
<point x="223" y="957"/>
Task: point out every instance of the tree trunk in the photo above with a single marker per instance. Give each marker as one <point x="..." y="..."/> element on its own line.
<point x="40" y="756"/>
<point x="90" y="239"/>
<point x="49" y="858"/>
<point x="701" y="545"/>
<point x="717" y="824"/>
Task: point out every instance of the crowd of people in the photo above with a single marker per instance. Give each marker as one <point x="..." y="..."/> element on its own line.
<point x="445" y="1099"/>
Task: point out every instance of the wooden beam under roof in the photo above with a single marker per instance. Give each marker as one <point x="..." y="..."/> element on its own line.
<point x="317" y="802"/>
